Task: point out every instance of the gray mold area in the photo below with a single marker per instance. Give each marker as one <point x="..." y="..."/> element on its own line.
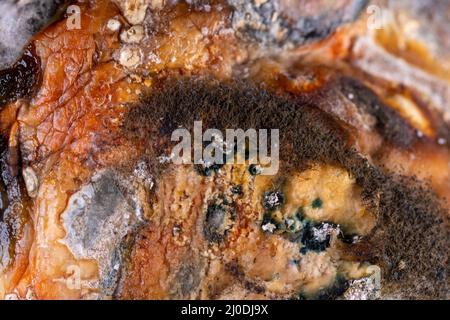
<point x="19" y="21"/>
<point x="265" y="21"/>
<point x="97" y="219"/>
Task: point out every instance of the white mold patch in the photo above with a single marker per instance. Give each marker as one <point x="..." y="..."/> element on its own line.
<point x="133" y="35"/>
<point x="113" y="25"/>
<point x="31" y="181"/>
<point x="130" y="57"/>
<point x="133" y="10"/>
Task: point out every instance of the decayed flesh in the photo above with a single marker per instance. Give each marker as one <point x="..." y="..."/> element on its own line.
<point x="89" y="208"/>
<point x="232" y="251"/>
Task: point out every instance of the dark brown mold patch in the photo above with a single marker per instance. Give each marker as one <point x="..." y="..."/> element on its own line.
<point x="411" y="239"/>
<point x="390" y="125"/>
<point x="306" y="133"/>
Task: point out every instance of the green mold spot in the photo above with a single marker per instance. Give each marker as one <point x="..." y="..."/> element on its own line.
<point x="317" y="203"/>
